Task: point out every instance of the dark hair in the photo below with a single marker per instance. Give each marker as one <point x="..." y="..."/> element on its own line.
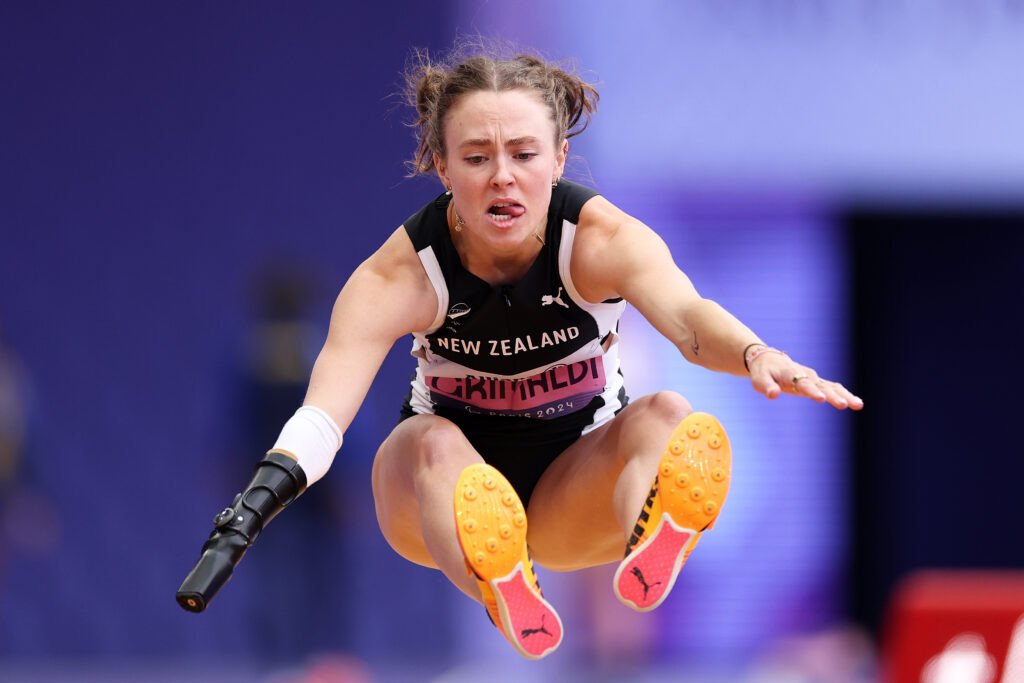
<point x="433" y="87"/>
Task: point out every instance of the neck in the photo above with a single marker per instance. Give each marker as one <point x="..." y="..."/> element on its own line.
<point x="496" y="268"/>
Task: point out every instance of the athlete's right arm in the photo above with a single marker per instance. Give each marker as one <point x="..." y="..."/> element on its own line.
<point x="388" y="296"/>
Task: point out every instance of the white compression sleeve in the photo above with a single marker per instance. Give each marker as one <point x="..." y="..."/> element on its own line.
<point x="312" y="438"/>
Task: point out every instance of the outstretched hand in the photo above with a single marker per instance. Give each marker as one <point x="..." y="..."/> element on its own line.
<point x="773" y="374"/>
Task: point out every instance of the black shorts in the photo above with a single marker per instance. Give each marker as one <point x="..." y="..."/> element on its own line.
<point x="520" y="448"/>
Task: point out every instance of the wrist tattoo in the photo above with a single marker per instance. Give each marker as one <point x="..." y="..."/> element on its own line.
<point x="696" y="345"/>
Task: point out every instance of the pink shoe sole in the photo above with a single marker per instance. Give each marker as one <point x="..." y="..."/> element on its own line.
<point x="532" y="626"/>
<point x="691" y="486"/>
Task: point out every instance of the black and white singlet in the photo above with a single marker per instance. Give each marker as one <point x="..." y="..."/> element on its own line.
<point x="535" y="351"/>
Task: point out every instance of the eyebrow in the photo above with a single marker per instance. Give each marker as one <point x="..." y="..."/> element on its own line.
<point x="487" y="142"/>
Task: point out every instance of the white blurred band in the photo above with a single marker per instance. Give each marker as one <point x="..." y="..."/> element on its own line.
<point x="313" y="439"/>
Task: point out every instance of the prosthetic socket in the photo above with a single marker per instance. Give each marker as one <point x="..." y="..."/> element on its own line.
<point x="276" y="482"/>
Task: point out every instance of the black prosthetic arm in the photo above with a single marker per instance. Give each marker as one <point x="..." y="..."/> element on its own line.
<point x="277" y="481"/>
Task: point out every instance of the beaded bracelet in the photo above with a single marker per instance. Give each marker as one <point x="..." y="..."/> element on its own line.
<point x="756" y="349"/>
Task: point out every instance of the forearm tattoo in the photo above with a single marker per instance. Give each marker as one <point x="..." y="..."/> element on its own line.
<point x="696" y="345"/>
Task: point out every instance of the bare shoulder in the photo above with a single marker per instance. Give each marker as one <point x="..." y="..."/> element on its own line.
<point x="396" y="259"/>
<point x="610" y="244"/>
<point x="392" y="288"/>
<point x="600" y="219"/>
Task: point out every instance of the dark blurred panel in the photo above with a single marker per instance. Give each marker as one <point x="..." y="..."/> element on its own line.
<point x="938" y="324"/>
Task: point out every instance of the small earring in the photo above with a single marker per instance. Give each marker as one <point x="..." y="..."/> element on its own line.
<point x="459" y="223"/>
<point x="554" y="183"/>
<point x="448" y="191"/>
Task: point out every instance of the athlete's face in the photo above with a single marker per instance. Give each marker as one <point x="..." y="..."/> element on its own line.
<point x="500" y="162"/>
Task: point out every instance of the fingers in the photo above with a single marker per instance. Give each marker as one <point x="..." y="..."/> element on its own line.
<point x="839" y="396"/>
<point x="802" y="381"/>
<point x="765" y="383"/>
<point x="811" y="387"/>
<point x="824" y="391"/>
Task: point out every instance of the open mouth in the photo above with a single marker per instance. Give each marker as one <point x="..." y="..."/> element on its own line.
<point x="505" y="211"/>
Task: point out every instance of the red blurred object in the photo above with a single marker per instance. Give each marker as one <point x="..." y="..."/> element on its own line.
<point x="956" y="626"/>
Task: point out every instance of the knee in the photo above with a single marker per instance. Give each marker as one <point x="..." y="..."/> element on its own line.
<point x="436" y="452"/>
<point x="437" y="444"/>
<point x="420" y="444"/>
<point x="665" y="407"/>
<point x="652" y="420"/>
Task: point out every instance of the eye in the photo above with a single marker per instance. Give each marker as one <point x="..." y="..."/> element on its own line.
<point x="525" y="156"/>
<point x="476" y="159"/>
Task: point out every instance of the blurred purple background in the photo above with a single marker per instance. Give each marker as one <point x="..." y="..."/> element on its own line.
<point x="183" y="190"/>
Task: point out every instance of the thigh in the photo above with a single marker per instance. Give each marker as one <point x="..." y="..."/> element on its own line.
<point x="420" y="452"/>
<point x="587" y="501"/>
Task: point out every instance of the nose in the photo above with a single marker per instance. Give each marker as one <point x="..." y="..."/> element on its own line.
<point x="502" y="176"/>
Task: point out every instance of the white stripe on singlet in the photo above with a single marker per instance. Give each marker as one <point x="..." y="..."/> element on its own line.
<point x="419" y="398"/>
<point x="607" y="316"/>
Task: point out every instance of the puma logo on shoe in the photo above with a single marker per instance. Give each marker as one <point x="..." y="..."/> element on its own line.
<point x="527" y="632"/>
<point x="640" y="577"/>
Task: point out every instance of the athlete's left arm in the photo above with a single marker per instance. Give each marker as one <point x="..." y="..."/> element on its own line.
<point x="617" y="255"/>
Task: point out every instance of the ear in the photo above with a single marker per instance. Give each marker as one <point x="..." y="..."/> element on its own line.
<point x="561" y="156"/>
<point x="442" y="171"/>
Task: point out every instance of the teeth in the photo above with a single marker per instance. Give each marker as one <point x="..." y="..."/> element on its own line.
<point x="499" y="216"/>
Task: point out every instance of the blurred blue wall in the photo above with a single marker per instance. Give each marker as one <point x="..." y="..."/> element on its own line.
<point x="873" y="100"/>
<point x="156" y="159"/>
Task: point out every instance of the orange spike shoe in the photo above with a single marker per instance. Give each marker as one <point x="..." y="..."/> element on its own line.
<point x="491" y="525"/>
<point x="687" y="495"/>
